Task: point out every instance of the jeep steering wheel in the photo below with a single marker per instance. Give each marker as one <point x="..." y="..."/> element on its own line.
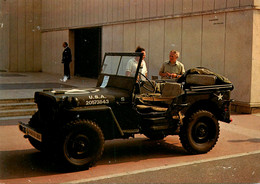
<point x="145" y="85"/>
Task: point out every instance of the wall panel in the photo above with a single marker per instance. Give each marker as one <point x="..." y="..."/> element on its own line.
<point x="126" y="9"/>
<point x="29" y="28"/>
<point x="160" y="7"/>
<point x="197" y="5"/>
<point x="139" y="9"/>
<point x="110" y="11"/>
<point x="21" y="35"/>
<point x="238" y="53"/>
<point x="115" y="10"/>
<point x="177" y="7"/>
<point x="146" y="8"/>
<point x="132" y="9"/>
<point x="220" y="4"/>
<point x="191" y="42"/>
<point x="44" y="51"/>
<point x="105" y="11"/>
<point x="208" y="5"/>
<point x="187" y="6"/>
<point x="255" y="97"/>
<point x="129" y="37"/>
<point x="168" y="7"/>
<point x="107" y="39"/>
<point x="4" y="35"/>
<point x="232" y="3"/>
<point x="118" y="35"/>
<point x="172" y="36"/>
<point x="156" y="47"/>
<point x="120" y="10"/>
<point x="142" y="35"/>
<point x="246" y="2"/>
<point x="213" y="42"/>
<point x="152" y="8"/>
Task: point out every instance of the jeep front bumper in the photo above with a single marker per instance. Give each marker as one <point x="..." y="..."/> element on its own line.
<point x="28" y="131"/>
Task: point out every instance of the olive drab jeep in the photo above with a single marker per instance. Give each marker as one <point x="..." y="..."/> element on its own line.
<point x="75" y="123"/>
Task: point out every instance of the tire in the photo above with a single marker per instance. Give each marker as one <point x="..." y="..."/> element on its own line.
<point x="33" y="123"/>
<point x="200" y="133"/>
<point x="34" y="119"/>
<point x="36" y="144"/>
<point x="83" y="144"/>
<point x="155" y="135"/>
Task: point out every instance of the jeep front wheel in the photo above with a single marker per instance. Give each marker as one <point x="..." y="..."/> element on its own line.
<point x="83" y="144"/>
<point x="200" y="132"/>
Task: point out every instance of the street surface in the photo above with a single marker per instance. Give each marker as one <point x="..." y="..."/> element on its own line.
<point x="234" y="159"/>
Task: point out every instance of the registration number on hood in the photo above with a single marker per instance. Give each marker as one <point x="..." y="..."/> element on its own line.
<point x="97" y="102"/>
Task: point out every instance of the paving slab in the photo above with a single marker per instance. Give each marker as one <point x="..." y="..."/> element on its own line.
<point x="14" y="85"/>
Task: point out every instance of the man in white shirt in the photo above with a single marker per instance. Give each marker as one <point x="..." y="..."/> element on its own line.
<point x="133" y="63"/>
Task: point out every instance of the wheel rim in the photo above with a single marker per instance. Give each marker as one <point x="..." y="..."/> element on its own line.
<point x="78" y="149"/>
<point x="203" y="131"/>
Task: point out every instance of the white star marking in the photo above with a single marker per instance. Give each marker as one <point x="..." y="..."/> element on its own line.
<point x="220" y="96"/>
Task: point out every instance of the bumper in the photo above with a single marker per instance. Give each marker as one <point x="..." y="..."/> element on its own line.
<point x="28" y="131"/>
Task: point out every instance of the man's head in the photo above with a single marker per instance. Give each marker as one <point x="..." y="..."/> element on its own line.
<point x="173" y="56"/>
<point x="140" y="49"/>
<point x="65" y="44"/>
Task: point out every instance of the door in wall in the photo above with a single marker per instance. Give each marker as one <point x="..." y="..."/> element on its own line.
<point x="88" y="52"/>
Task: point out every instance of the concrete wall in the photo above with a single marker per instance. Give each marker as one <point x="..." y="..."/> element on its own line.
<point x="255" y="88"/>
<point x="4" y="35"/>
<point x="21" y="35"/>
<point x="81" y="13"/>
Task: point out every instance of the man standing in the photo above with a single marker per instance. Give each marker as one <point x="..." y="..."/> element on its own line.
<point x="133" y="63"/>
<point x="172" y="68"/>
<point x="66" y="59"/>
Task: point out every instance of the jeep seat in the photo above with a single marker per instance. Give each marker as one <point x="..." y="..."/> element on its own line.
<point x="171" y="89"/>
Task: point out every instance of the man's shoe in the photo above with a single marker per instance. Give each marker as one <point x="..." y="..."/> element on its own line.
<point x="65" y="78"/>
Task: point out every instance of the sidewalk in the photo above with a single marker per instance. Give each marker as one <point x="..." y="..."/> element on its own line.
<point x="23" y="85"/>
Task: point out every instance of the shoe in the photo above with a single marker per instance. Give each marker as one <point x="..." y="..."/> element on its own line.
<point x="65" y="78"/>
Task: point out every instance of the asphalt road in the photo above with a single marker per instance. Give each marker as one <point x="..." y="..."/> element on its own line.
<point x="235" y="159"/>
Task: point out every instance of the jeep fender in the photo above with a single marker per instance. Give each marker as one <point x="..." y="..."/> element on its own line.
<point x="96" y="113"/>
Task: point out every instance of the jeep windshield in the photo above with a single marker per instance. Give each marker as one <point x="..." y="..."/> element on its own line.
<point x="114" y="71"/>
<point x="121" y="64"/>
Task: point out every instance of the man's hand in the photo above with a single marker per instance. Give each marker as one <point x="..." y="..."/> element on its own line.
<point x="171" y="75"/>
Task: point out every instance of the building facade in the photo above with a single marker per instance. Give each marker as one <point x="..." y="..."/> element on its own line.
<point x="222" y="35"/>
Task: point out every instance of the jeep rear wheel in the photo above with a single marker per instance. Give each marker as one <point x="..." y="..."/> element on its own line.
<point x="200" y="132"/>
<point x="83" y="144"/>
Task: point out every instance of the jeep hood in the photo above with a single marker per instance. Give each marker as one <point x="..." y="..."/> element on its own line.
<point x="85" y="96"/>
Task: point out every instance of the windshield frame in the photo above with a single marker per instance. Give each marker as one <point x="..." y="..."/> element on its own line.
<point x="122" y="54"/>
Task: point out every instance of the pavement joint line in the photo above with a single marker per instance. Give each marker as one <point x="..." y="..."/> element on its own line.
<point x="162" y="167"/>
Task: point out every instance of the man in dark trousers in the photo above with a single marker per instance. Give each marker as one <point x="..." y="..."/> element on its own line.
<point x="66" y="59"/>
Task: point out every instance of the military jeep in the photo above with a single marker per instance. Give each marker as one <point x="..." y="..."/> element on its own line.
<point x="75" y="123"/>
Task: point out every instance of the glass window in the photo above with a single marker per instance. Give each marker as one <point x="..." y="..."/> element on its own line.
<point x="110" y="65"/>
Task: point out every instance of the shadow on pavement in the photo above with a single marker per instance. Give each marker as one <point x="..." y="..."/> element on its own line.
<point x="32" y="163"/>
<point x="254" y="140"/>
